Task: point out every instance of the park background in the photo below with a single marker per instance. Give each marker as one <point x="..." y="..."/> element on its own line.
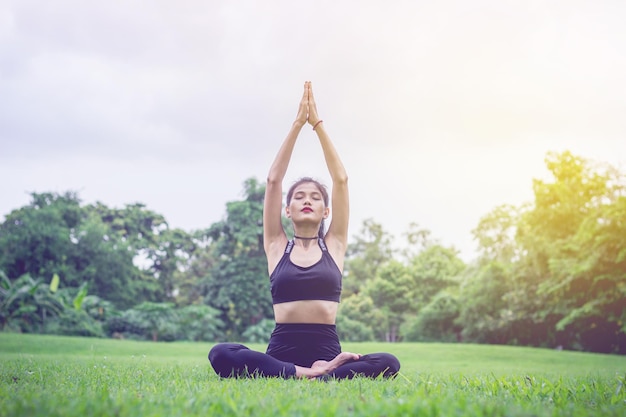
<point x="135" y="137"/>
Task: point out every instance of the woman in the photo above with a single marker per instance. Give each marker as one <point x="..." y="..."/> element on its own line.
<point x="305" y="275"/>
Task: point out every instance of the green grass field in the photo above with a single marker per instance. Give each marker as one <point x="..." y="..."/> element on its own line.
<point x="63" y="376"/>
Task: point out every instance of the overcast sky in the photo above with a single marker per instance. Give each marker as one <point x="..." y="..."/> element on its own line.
<point x="441" y="111"/>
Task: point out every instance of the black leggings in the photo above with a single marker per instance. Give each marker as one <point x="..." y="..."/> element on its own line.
<point x="301" y="345"/>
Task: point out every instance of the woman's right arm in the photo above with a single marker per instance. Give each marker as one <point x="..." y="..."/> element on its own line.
<point x="274" y="239"/>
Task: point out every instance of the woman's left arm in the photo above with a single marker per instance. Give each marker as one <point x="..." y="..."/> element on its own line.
<point x="337" y="234"/>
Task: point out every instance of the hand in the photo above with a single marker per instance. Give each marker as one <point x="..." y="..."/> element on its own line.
<point x="313" y="116"/>
<point x="303" y="110"/>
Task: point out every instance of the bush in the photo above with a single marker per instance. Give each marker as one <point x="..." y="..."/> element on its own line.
<point x="199" y="323"/>
<point x="75" y="323"/>
<point x="260" y="332"/>
<point x="129" y="324"/>
<point x="436" y="322"/>
<point x="350" y="330"/>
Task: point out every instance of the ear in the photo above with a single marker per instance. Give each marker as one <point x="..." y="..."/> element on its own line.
<point x="326" y="212"/>
<point x="287" y="212"/>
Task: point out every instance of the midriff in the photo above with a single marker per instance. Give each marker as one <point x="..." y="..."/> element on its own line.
<point x="306" y="311"/>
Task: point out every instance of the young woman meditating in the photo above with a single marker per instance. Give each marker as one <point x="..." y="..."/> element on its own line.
<point x="305" y="275"/>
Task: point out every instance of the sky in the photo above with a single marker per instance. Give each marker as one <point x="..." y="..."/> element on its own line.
<point x="441" y="111"/>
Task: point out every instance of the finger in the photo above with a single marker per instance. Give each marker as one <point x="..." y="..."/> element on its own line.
<point x="305" y="94"/>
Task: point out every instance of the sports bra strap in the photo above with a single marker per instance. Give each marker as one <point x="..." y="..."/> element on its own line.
<point x="289" y="246"/>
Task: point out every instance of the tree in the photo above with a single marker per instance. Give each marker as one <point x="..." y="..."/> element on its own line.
<point x="37" y="239"/>
<point x="106" y="265"/>
<point x="94" y="244"/>
<point x="496" y="233"/>
<point x="434" y="269"/>
<point x="200" y="323"/>
<point x="389" y="292"/>
<point x="358" y="317"/>
<point x="437" y="321"/>
<point x="164" y="253"/>
<point x="556" y="263"/>
<point x="369" y="251"/>
<point x="590" y="280"/>
<point x="484" y="312"/>
<point x="238" y="284"/>
<point x="156" y="316"/>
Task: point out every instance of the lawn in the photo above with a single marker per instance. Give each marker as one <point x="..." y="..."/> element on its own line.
<point x="63" y="376"/>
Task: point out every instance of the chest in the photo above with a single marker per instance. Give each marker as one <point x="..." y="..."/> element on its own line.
<point x="293" y="281"/>
<point x="305" y="258"/>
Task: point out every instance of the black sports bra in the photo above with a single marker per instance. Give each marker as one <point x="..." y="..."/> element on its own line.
<point x="320" y="281"/>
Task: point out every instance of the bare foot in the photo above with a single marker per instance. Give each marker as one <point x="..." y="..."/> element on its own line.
<point x="319" y="365"/>
<point x="339" y="360"/>
<point x="319" y="368"/>
<point x="309" y="373"/>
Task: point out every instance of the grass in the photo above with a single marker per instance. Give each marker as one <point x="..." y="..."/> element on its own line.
<point x="63" y="376"/>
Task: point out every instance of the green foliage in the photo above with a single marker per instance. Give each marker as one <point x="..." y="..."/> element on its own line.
<point x="200" y="323"/>
<point x="358" y="317"/>
<point x="128" y="325"/>
<point x="54" y="284"/>
<point x="260" y="332"/>
<point x="495" y="234"/>
<point x="562" y="276"/>
<point x="434" y="269"/>
<point x="484" y="309"/>
<point x="573" y="236"/>
<point x="351" y="330"/>
<point x="388" y="292"/>
<point x="550" y="272"/>
<point x="437" y="321"/>
<point x="98" y="308"/>
<point x="238" y="284"/>
<point x="590" y="279"/>
<point x="25" y="304"/>
<point x="36" y="239"/>
<point x="369" y="251"/>
<point x="55" y="236"/>
<point x="156" y="318"/>
<point x="72" y="322"/>
<point x="77" y="303"/>
<point x="105" y="264"/>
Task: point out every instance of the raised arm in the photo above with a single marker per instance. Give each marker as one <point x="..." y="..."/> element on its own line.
<point x="274" y="238"/>
<point x="337" y="234"/>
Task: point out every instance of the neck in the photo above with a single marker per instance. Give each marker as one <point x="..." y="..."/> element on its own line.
<point x="305" y="238"/>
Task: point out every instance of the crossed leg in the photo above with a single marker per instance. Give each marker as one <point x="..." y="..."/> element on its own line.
<point x="235" y="360"/>
<point x="371" y="366"/>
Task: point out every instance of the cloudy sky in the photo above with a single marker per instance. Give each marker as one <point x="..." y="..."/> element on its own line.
<point x="441" y="111"/>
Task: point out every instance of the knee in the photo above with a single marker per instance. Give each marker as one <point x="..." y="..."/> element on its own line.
<point x="223" y="350"/>
<point x="221" y="357"/>
<point x="389" y="364"/>
<point x="216" y="351"/>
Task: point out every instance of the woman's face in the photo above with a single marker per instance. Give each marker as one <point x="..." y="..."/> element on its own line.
<point x="307" y="203"/>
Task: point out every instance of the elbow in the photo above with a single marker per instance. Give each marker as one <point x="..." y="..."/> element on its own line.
<point x="274" y="179"/>
<point x="341" y="179"/>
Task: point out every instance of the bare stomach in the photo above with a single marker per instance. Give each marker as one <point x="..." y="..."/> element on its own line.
<point x="306" y="311"/>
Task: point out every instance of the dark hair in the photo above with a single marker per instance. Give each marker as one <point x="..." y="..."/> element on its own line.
<point x="321" y="187"/>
